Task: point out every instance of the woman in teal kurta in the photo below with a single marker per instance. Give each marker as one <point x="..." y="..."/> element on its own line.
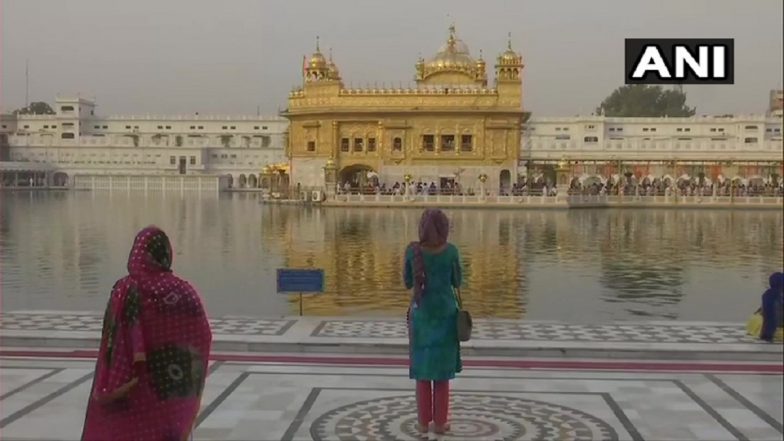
<point x="432" y="269"/>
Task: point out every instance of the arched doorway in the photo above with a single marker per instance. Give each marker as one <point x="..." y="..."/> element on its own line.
<point x="505" y="179"/>
<point x="593" y="180"/>
<point x="243" y="181"/>
<point x="230" y="180"/>
<point x="5" y="149"/>
<point x="60" y="179"/>
<point x="549" y="175"/>
<point x="252" y="181"/>
<point x="357" y="175"/>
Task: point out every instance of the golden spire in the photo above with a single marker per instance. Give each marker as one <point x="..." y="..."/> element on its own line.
<point x="451" y="40"/>
<point x="333" y="68"/>
<point x="317" y="44"/>
<point x="509" y="41"/>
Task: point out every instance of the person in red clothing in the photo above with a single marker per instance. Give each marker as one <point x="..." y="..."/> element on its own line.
<point x="152" y="362"/>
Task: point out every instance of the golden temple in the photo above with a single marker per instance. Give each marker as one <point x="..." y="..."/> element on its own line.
<point x="450" y="127"/>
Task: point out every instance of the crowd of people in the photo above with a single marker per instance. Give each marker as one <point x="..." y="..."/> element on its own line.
<point x="656" y="187"/>
<point x="659" y="187"/>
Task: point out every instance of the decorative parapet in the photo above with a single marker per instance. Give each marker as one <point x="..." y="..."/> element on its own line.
<point x="424" y="91"/>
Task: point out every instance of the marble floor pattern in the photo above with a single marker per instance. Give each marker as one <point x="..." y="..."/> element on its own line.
<point x="380" y="329"/>
<point x="44" y="399"/>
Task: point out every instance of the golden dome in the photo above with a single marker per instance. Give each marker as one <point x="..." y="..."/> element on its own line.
<point x="454" y="54"/>
<point x="317" y="60"/>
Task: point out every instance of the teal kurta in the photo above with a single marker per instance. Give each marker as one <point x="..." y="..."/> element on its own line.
<point x="434" y="347"/>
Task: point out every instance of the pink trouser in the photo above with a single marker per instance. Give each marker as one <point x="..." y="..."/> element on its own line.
<point x="432" y="402"/>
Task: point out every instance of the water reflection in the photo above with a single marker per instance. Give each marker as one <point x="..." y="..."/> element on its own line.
<point x="64" y="251"/>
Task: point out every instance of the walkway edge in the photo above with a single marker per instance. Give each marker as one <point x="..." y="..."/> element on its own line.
<point x="682" y="352"/>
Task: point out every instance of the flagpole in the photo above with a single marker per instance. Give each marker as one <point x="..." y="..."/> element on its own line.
<point x="304" y="67"/>
<point x="27" y="83"/>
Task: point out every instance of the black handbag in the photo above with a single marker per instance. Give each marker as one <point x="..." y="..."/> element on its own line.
<point x="464" y="322"/>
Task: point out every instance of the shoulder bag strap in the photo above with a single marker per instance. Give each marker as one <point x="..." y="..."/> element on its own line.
<point x="459" y="299"/>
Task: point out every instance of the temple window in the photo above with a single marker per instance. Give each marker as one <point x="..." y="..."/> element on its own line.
<point x="591" y="139"/>
<point x="344" y="144"/>
<point x="358" y="144"/>
<point x="311" y="146"/>
<point x="750" y="140"/>
<point x="466" y="143"/>
<point x="371" y="145"/>
<point x="448" y="143"/>
<point x="429" y="142"/>
<point x="397" y="144"/>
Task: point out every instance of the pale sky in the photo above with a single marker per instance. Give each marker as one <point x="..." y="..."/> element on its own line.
<point x="228" y="57"/>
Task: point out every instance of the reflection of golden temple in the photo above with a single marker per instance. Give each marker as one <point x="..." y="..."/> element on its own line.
<point x="361" y="253"/>
<point x="450" y="119"/>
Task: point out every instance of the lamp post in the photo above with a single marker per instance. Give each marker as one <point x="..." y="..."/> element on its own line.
<point x="408" y="178"/>
<point x="732" y="185"/>
<point x="562" y="176"/>
<point x="330" y="177"/>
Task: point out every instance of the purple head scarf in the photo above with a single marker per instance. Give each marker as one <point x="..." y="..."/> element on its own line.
<point x="433" y="233"/>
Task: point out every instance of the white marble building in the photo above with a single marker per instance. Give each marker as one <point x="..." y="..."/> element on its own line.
<point x="746" y="138"/>
<point x="77" y="141"/>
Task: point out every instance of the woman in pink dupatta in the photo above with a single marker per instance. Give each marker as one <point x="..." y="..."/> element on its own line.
<point x="155" y="347"/>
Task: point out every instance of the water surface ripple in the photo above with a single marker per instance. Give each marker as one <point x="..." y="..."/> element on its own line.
<point x="63" y="251"/>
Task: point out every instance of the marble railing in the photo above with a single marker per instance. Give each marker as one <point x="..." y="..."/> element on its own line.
<point x="562" y="200"/>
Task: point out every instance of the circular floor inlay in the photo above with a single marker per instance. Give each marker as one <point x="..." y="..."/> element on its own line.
<point x="472" y="417"/>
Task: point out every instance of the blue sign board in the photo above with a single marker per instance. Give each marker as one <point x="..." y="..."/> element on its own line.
<point x="300" y="280"/>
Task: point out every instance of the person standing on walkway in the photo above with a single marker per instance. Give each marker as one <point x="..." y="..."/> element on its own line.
<point x="153" y="357"/>
<point x="773" y="309"/>
<point x="432" y="269"/>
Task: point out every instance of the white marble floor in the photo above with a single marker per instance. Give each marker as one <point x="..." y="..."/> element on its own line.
<point x="44" y="399"/>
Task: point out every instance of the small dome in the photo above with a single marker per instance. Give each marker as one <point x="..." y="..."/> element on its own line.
<point x="480" y="62"/>
<point x="509" y="56"/>
<point x="333" y="68"/>
<point x="317" y="60"/>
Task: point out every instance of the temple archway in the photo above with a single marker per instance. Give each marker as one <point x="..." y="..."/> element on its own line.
<point x="756" y="180"/>
<point x="243" y="181"/>
<point x="357" y="175"/>
<point x="252" y="181"/>
<point x="505" y="179"/>
<point x="60" y="179"/>
<point x="589" y="181"/>
<point x="549" y="175"/>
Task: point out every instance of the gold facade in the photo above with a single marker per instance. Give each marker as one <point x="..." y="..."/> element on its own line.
<point x="451" y="120"/>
